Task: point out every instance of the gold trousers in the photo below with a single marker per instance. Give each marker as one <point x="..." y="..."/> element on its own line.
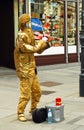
<point x="29" y="89"/>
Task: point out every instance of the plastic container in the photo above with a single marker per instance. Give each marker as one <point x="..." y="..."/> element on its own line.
<point x="57" y="112"/>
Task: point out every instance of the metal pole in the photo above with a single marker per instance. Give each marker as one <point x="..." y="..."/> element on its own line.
<point x="27" y="11"/>
<point x="77" y="30"/>
<point x="81" y="92"/>
<point x="65" y="30"/>
<point x="28" y="7"/>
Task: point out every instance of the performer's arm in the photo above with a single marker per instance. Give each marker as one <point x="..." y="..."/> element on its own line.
<point x="39" y="47"/>
<point x="23" y="46"/>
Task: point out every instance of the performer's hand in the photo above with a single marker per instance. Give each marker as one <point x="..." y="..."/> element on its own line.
<point x="48" y="39"/>
<point x="45" y="39"/>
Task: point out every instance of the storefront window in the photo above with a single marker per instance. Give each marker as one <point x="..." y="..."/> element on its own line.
<point x="51" y="23"/>
<point x="71" y="14"/>
<point x="51" y="14"/>
<point x="61" y="23"/>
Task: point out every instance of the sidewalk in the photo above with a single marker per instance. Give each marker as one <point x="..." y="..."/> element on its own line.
<point x="56" y="81"/>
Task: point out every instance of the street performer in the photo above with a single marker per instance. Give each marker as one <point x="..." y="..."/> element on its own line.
<point x="25" y="65"/>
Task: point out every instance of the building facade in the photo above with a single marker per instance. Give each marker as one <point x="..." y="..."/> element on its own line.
<point x="61" y="19"/>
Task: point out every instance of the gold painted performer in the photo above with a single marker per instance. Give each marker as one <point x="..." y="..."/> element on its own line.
<point x="25" y="65"/>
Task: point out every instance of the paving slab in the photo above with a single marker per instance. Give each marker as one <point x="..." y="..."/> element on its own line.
<point x="56" y="81"/>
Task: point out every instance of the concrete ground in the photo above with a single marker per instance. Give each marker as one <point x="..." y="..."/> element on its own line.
<point x="56" y="81"/>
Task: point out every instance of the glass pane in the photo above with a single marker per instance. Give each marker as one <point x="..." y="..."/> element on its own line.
<point x="21" y="7"/>
<point x="53" y="21"/>
<point x="71" y="19"/>
<point x="61" y="23"/>
<point x="51" y="14"/>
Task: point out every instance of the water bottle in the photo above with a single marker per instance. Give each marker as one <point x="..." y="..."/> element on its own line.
<point x="50" y="117"/>
<point x="57" y="115"/>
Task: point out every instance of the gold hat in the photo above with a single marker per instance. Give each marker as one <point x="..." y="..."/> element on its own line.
<point x="24" y="18"/>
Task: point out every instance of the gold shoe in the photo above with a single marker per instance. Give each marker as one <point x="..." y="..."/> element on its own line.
<point x="21" y="117"/>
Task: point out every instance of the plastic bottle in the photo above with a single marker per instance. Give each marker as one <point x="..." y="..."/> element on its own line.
<point x="50" y="117"/>
<point x="57" y="115"/>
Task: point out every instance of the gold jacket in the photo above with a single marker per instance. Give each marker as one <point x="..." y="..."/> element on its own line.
<point x="24" y="51"/>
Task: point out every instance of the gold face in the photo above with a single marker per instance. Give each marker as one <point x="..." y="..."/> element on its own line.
<point x="23" y="19"/>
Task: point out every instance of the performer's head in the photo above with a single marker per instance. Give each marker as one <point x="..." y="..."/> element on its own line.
<point x="23" y="21"/>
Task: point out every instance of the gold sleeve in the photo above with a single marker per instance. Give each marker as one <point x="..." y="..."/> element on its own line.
<point x="24" y="47"/>
<point x="39" y="47"/>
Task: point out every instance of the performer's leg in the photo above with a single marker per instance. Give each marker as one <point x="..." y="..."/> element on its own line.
<point x="24" y="96"/>
<point x="35" y="93"/>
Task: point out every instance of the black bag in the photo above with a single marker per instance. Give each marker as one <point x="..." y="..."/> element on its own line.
<point x="39" y="115"/>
